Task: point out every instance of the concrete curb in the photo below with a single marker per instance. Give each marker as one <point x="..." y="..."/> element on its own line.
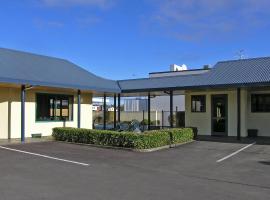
<point x="161" y="148"/>
<point x="27" y="140"/>
<point x="129" y="149"/>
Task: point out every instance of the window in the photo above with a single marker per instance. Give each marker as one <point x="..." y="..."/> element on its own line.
<point x="198" y="103"/>
<point x="260" y="103"/>
<point x="52" y="107"/>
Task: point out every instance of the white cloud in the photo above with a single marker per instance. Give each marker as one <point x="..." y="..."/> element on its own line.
<point x="196" y="19"/>
<point x="48" y="24"/>
<point x="64" y="3"/>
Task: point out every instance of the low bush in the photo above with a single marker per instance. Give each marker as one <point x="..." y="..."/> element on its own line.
<point x="146" y="140"/>
<point x="181" y="135"/>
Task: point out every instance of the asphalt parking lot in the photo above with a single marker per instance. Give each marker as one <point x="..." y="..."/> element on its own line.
<point x="52" y="170"/>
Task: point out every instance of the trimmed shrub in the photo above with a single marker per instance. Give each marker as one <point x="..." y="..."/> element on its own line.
<point x="97" y="137"/>
<point x="152" y="139"/>
<point x="181" y="135"/>
<point x="146" y="140"/>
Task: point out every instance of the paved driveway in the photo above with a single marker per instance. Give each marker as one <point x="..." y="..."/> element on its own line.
<point x="187" y="172"/>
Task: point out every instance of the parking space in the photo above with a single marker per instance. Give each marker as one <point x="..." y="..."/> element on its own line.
<point x="191" y="171"/>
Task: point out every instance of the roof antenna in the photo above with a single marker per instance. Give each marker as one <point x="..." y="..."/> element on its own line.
<point x="240" y="54"/>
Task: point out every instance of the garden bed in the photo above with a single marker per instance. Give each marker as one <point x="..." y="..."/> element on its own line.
<point x="146" y="140"/>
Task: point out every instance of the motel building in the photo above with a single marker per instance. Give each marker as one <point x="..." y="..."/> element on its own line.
<point x="38" y="93"/>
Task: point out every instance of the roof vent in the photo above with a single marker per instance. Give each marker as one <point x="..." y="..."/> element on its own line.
<point x="206" y="67"/>
<point x="175" y="68"/>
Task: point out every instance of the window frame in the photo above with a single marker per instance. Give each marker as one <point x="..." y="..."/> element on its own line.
<point x="204" y="103"/>
<point x="55" y="96"/>
<point x="256" y="95"/>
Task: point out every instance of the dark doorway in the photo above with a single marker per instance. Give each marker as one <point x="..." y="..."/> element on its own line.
<point x="220" y="115"/>
<point x="180" y="119"/>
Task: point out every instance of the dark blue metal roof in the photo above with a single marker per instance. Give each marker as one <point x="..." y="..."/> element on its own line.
<point x="27" y="68"/>
<point x="255" y="71"/>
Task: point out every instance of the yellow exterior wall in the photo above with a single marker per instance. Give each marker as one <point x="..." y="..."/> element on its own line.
<point x="244" y="111"/>
<point x="249" y="120"/>
<point x="203" y="120"/>
<point x="260" y="121"/>
<point x="10" y="113"/>
<point x="4" y="109"/>
<point x="10" y="122"/>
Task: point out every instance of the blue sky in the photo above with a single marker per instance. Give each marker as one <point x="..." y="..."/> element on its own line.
<point x="121" y="39"/>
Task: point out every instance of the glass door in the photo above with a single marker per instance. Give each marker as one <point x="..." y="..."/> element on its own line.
<point x="219" y="115"/>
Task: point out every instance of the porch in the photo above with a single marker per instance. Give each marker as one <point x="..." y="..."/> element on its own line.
<point x="229" y="112"/>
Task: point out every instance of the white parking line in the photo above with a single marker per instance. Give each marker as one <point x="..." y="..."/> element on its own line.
<point x="44" y="156"/>
<point x="234" y="153"/>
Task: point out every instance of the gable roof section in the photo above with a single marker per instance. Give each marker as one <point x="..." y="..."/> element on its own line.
<point x="26" y="68"/>
<point x="240" y="73"/>
<point x="243" y="72"/>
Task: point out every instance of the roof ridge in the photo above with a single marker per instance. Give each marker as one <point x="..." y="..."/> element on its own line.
<point x="162" y="77"/>
<point x="183" y="71"/>
<point x="30" y="53"/>
<point x="85" y="70"/>
<point x="50" y="66"/>
<point x="245" y="59"/>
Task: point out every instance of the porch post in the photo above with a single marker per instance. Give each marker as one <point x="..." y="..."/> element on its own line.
<point x="119" y="108"/>
<point x="171" y="109"/>
<point x="79" y="109"/>
<point x="23" y="113"/>
<point x="149" y="111"/>
<point x="238" y="113"/>
<point x="162" y="119"/>
<point x="143" y="120"/>
<point x="104" y="112"/>
<point x="114" y="111"/>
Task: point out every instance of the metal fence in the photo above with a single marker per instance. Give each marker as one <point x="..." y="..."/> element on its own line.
<point x="158" y="119"/>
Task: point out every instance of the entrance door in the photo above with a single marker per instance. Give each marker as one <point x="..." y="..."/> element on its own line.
<point x="220" y="115"/>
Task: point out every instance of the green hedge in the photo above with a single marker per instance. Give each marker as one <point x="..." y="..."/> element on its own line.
<point x="181" y="135"/>
<point x="146" y="140"/>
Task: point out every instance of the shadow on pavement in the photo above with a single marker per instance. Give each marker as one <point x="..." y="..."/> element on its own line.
<point x="246" y="140"/>
<point x="265" y="162"/>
